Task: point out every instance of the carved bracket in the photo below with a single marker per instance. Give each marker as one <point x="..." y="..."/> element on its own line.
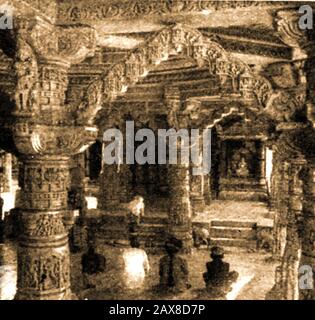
<point x="51" y="140"/>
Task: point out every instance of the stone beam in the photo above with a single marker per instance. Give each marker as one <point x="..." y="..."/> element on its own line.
<point x="84" y="11"/>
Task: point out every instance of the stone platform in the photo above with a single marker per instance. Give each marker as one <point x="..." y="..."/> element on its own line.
<point x="112" y="227"/>
<point x="235" y="223"/>
<point x="231" y="223"/>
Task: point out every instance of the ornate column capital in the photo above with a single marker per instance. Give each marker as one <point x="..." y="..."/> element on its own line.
<point x="287" y="105"/>
<point x="38" y="140"/>
<point x="44" y="54"/>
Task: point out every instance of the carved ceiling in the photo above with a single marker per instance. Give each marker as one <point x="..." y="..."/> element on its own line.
<point x="122" y="67"/>
<point x="126" y="24"/>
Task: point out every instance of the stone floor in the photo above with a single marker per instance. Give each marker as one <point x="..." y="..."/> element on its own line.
<point x="256" y="276"/>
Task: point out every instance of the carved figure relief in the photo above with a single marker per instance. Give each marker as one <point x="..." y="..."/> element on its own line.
<point x="27" y="73"/>
<point x="44" y="273"/>
<point x="43" y="225"/>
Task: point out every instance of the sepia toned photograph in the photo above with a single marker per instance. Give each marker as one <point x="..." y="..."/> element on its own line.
<point x="157" y="150"/>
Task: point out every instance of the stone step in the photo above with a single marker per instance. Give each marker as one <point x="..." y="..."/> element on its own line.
<point x="232" y="232"/>
<point x="113" y="234"/>
<point x="157" y="228"/>
<point x="232" y="223"/>
<point x="225" y="242"/>
<point x="120" y="231"/>
<point x="148" y="219"/>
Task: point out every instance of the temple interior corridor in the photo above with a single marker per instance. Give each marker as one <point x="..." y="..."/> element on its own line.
<point x="156" y="146"/>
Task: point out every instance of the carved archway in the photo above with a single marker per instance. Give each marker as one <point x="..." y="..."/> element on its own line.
<point x="174" y="40"/>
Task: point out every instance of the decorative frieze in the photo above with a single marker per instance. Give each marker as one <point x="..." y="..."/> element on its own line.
<point x="43" y="225"/>
<point x="74" y="11"/>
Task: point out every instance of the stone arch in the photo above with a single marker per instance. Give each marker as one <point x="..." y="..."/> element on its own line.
<point x="175" y="40"/>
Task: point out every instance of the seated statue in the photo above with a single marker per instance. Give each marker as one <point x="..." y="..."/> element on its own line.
<point x="173" y="269"/>
<point x="242" y="170"/>
<point x="92" y="264"/>
<point x="218" y="277"/>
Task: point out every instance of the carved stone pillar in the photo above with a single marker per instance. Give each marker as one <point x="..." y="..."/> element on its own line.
<point x="262" y="164"/>
<point x="280" y="198"/>
<point x="180" y="214"/>
<point x="308" y="228"/>
<point x="109" y="186"/>
<point x="180" y="207"/>
<point x="302" y="43"/>
<point x="46" y="133"/>
<point x="292" y="252"/>
<point x="6" y="174"/>
<point x="43" y="253"/>
<point x="207" y="189"/>
<point x="197" y="188"/>
<point x="115" y="180"/>
<point x="287" y="273"/>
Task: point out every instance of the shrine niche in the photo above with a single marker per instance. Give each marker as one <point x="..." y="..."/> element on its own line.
<point x="242" y="159"/>
<point x="242" y="170"/>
